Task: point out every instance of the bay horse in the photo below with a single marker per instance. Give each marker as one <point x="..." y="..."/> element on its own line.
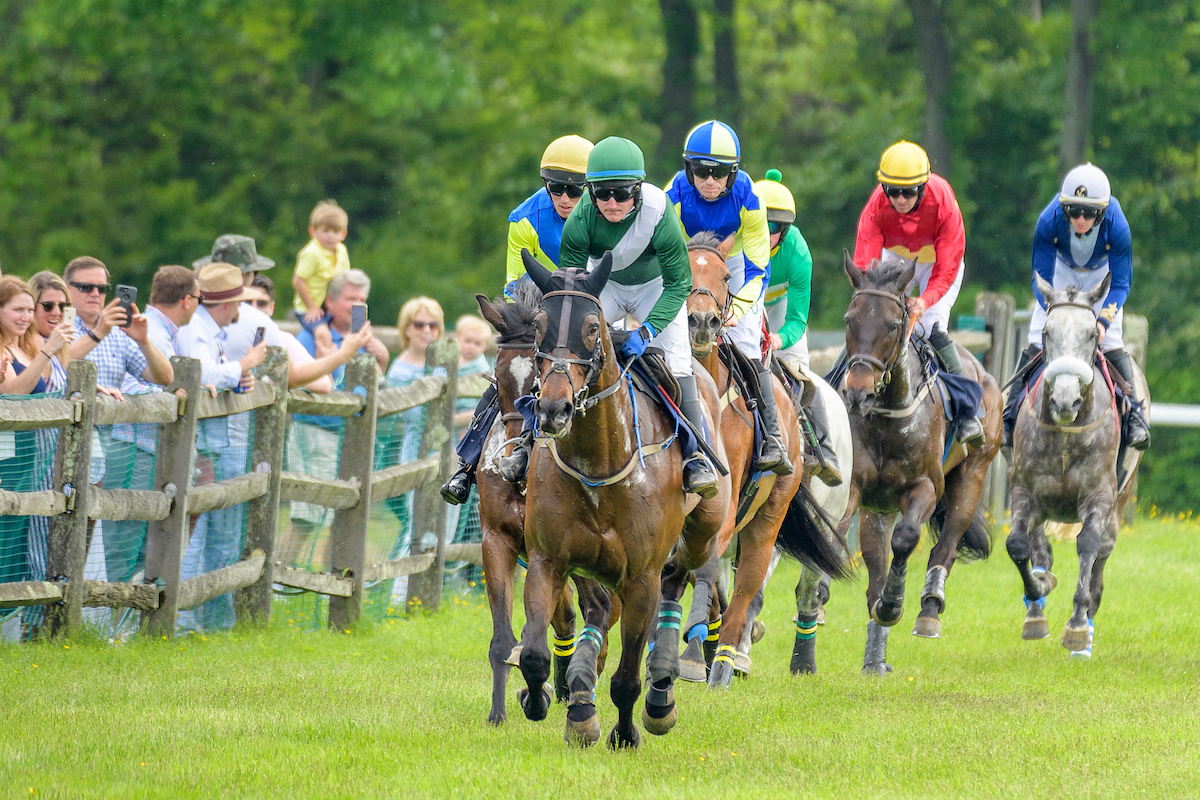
<point x="766" y="517"/>
<point x="1065" y="464"/>
<point x="899" y="432"/>
<point x="606" y="500"/>
<point x="502" y="508"/>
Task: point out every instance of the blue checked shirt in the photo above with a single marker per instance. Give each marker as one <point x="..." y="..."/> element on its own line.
<point x="115" y="357"/>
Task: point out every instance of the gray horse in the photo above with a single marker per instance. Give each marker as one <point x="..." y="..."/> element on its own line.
<point x="1064" y="466"/>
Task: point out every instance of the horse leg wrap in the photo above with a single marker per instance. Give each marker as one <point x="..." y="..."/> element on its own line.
<point x="804" y="656"/>
<point x="710" y="641"/>
<point x="562" y="651"/>
<point x="664" y="658"/>
<point x="890" y="607"/>
<point x="697" y="620"/>
<point x="935" y="587"/>
<point x="722" y="667"/>
<point x="581" y="672"/>
<point x="875" y="656"/>
<point x="806" y="626"/>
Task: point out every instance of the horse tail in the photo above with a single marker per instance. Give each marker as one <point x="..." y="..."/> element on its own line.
<point x="810" y="536"/>
<point x="976" y="541"/>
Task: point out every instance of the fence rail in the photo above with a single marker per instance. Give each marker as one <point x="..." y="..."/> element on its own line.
<point x="72" y="501"/>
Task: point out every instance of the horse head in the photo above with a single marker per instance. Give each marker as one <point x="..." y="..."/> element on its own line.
<point x="571" y="339"/>
<point x="1069" y="340"/>
<point x="877" y="329"/>
<point x="515" y="369"/>
<point x="708" y="301"/>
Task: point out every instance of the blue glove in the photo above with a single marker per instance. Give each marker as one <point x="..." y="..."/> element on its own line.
<point x="635" y="345"/>
<point x="510" y="289"/>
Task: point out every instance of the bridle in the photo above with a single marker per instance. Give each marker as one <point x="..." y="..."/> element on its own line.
<point x="582" y="399"/>
<point x="701" y="291"/>
<point x="515" y="416"/>
<point x="881" y="371"/>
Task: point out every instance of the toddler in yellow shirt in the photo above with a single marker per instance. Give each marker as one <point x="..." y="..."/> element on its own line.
<point x="322" y="258"/>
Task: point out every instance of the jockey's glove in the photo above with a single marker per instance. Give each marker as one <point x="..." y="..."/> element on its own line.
<point x="635" y="345"/>
<point x="510" y="289"/>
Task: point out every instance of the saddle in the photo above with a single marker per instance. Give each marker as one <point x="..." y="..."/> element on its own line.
<point x="650" y="371"/>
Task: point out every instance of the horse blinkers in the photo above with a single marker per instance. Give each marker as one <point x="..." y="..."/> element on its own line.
<point x="575" y="330"/>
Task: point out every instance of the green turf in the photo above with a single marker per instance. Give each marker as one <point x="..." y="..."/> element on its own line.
<point x="398" y="710"/>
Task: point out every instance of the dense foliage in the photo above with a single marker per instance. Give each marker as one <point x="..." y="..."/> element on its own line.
<point x="137" y="132"/>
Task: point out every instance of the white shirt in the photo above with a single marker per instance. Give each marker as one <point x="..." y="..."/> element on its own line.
<point x="241" y="333"/>
<point x="204" y="340"/>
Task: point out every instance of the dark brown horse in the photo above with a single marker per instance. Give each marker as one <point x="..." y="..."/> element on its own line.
<point x="763" y="513"/>
<point x="899" y="430"/>
<point x="502" y="507"/>
<point x="606" y="500"/>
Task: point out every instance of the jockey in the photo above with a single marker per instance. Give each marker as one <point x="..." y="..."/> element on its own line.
<point x="1081" y="236"/>
<point x="787" y="300"/>
<point x="913" y="214"/>
<point x="710" y="193"/>
<point x="535" y="225"/>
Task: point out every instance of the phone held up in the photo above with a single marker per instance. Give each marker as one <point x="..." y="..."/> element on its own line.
<point x="358" y="317"/>
<point x="128" y="296"/>
<point x="69" y="315"/>
<point x="258" y="336"/>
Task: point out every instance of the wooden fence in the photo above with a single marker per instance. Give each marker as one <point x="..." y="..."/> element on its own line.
<point x="72" y="501"/>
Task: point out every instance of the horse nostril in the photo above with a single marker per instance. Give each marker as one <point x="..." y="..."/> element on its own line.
<point x="714" y="323"/>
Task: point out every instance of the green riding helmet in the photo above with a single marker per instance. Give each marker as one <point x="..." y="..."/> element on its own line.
<point x="616" y="160"/>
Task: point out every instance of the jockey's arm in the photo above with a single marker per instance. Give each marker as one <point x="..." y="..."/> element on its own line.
<point x="869" y="243"/>
<point x="795" y="259"/>
<point x="1120" y="263"/>
<point x="522" y="235"/>
<point x="1045" y="252"/>
<point x="756" y="249"/>
<point x="949" y="245"/>
<point x="671" y="249"/>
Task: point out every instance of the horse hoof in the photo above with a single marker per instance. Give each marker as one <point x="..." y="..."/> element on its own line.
<point x="928" y="628"/>
<point x="1082" y="654"/>
<point x="691" y="663"/>
<point x="757" y="631"/>
<point x="886" y="615"/>
<point x="1034" y="629"/>
<point x="821" y="615"/>
<point x="497" y="718"/>
<point x="532" y="712"/>
<point x="877" y="670"/>
<point x="514" y="657"/>
<point x="804" y="657"/>
<point x="721" y="674"/>
<point x="1075" y="639"/>
<point x="616" y="741"/>
<point x="742" y="664"/>
<point x="582" y="733"/>
<point x="659" y="726"/>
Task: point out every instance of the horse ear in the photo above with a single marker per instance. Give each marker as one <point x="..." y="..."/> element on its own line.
<point x="1043" y="286"/>
<point x="1100" y="292"/>
<point x="724" y="247"/>
<point x="852" y="271"/>
<point x="490" y="313"/>
<point x="537" y="273"/>
<point x="599" y="276"/>
<point x="910" y="272"/>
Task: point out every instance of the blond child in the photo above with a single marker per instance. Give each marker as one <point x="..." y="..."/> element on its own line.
<point x="473" y="334"/>
<point x="322" y="258"/>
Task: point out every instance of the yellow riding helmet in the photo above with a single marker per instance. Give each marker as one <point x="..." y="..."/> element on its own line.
<point x="778" y="201"/>
<point x="566" y="158"/>
<point x="903" y="164"/>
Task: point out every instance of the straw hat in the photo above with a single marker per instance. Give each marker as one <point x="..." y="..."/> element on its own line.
<point x="222" y="283"/>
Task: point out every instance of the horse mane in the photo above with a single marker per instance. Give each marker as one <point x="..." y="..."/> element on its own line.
<point x="882" y="274"/>
<point x="521" y="312"/>
<point x="704" y="240"/>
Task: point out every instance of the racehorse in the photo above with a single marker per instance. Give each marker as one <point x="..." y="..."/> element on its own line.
<point x="899" y="432"/>
<point x="606" y="500"/>
<point x="502" y="507"/>
<point x="760" y="518"/>
<point x="1065" y="467"/>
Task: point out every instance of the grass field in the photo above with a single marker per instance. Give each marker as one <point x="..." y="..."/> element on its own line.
<point x="398" y="709"/>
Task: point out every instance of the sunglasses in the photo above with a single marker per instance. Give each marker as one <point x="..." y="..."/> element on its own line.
<point x="621" y="194"/>
<point x="48" y="307"/>
<point x="421" y="324"/>
<point x="88" y="288"/>
<point x="778" y="227"/>
<point x="571" y="190"/>
<point x="703" y="169"/>
<point x="264" y="304"/>
<point x="896" y="192"/>
<point x="1082" y="211"/>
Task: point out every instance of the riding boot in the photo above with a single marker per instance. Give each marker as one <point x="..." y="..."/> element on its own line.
<point x="456" y="490"/>
<point x="1014" y="393"/>
<point x="513" y="467"/>
<point x="829" y="472"/>
<point x="970" y="432"/>
<point x="699" y="477"/>
<point x="458" y="487"/>
<point x="774" y="457"/>
<point x="1137" y="432"/>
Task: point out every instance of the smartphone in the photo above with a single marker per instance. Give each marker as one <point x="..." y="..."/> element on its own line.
<point x="128" y="296"/>
<point x="69" y="315"/>
<point x="358" y="317"/>
<point x="258" y="336"/>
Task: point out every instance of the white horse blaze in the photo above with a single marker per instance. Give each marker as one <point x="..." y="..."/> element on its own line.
<point x="521" y="368"/>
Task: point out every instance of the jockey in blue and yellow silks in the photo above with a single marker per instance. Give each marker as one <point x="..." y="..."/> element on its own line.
<point x="535" y="225"/>
<point x="711" y="194"/>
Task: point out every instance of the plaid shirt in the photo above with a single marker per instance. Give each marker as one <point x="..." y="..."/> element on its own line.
<point x="162" y="332"/>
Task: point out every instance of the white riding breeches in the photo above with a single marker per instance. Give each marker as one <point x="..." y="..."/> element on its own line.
<point x="619" y="301"/>
<point x="795" y="356"/>
<point x="939" y="312"/>
<point x="747" y="334"/>
<point x="1064" y="276"/>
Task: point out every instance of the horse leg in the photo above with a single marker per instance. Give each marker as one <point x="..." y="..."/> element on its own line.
<point x="499" y="563"/>
<point x="916" y="507"/>
<point x="756" y="544"/>
<point x="1037" y="581"/>
<point x="1095" y="541"/>
<point x="716" y="610"/>
<point x="662" y="665"/>
<point x="804" y="651"/>
<point x="871" y="542"/>
<point x="692" y="665"/>
<point x="961" y="497"/>
<point x="639" y="599"/>
<point x="563" y="623"/>
<point x="543" y="586"/>
<point x="755" y="629"/>
<point x="583" y="723"/>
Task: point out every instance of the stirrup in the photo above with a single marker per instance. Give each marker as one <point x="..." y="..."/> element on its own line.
<point x="513" y="468"/>
<point x="699" y="476"/>
<point x="971" y="433"/>
<point x="774" y="458"/>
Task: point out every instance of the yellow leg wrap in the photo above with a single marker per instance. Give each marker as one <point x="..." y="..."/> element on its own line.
<point x="714" y="631"/>
<point x="725" y="652"/>
<point x="564" y="648"/>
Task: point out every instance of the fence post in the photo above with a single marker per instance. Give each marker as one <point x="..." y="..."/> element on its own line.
<point x="1000" y="359"/>
<point x="429" y="512"/>
<point x="1136" y="333"/>
<point x="67" y="554"/>
<point x="166" y="539"/>
<point x="349" y="534"/>
<point x="253" y="603"/>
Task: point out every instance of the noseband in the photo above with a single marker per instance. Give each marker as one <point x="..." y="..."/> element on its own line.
<point x="581" y="398"/>
<point x="882" y="370"/>
<point x="703" y="292"/>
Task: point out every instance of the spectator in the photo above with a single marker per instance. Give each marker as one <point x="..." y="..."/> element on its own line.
<point x="49" y="310"/>
<point x="315" y="441"/>
<point x="323" y="257"/>
<point x="473" y="334"/>
<point x="221" y="450"/>
<point x="462" y="521"/>
<point x="241" y="252"/>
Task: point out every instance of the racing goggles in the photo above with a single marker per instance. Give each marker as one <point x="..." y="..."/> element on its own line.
<point x="621" y="194"/>
<point x="1087" y="212"/>
<point x="702" y="169"/>
<point x="778" y="227"/>
<point x="896" y="192"/>
<point x="571" y="190"/>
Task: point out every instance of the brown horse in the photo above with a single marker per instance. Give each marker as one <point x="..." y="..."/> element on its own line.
<point x="899" y="430"/>
<point x="762" y="513"/>
<point x="606" y="500"/>
<point x="502" y="508"/>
